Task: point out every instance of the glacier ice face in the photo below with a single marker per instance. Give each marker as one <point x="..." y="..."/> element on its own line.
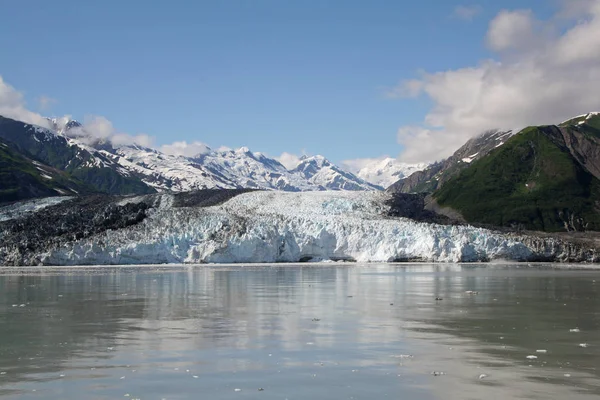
<point x="286" y="227"/>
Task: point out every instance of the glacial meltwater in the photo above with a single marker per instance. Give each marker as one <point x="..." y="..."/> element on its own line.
<point x="330" y="331"/>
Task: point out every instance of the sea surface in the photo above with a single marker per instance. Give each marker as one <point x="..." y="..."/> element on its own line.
<point x="329" y="331"/>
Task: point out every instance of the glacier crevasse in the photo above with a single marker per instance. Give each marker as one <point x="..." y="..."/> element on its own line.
<point x="286" y="227"/>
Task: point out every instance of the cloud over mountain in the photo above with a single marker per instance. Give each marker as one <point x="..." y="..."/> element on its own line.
<point x="12" y="105"/>
<point x="542" y="73"/>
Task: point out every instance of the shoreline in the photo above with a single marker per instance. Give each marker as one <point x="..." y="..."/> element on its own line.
<point x="549" y="266"/>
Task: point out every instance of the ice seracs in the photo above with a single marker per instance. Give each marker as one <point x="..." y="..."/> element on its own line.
<point x="286" y="227"/>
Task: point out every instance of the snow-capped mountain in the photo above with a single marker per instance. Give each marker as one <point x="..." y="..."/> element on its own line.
<point x="91" y="158"/>
<point x="429" y="179"/>
<point x="240" y="168"/>
<point x="252" y="170"/>
<point x="80" y="162"/>
<point x="327" y="176"/>
<point x="63" y="124"/>
<point x="384" y="172"/>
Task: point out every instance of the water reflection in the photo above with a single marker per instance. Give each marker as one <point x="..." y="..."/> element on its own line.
<point x="298" y="332"/>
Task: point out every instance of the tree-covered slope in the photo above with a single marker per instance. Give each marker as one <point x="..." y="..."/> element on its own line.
<point x="534" y="181"/>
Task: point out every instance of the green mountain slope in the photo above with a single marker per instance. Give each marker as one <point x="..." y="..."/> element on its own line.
<point x="434" y="176"/>
<point x="537" y="180"/>
<point x="94" y="169"/>
<point x="22" y="178"/>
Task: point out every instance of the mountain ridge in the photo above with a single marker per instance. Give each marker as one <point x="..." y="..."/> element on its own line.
<point x="544" y="178"/>
<point x="135" y="169"/>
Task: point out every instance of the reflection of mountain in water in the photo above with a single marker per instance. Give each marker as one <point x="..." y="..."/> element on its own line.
<point x="219" y="320"/>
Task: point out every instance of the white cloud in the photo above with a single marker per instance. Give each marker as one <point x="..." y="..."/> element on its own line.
<point x="513" y="30"/>
<point x="45" y="102"/>
<point x="288" y="160"/>
<point x="540" y="76"/>
<point x="356" y="164"/>
<point x="466" y="13"/>
<point x="98" y="128"/>
<point x="12" y="105"/>
<point x="140" y="139"/>
<point x="408" y="88"/>
<point x="185" y="149"/>
<point x="94" y="128"/>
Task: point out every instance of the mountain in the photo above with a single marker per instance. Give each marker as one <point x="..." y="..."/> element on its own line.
<point x="77" y="160"/>
<point x="326" y="176"/>
<point x="24" y="178"/>
<point x="252" y="170"/>
<point x="544" y="178"/>
<point x="256" y="226"/>
<point x="432" y="177"/>
<point x="384" y="172"/>
<point x="133" y="169"/>
<point x="63" y="124"/>
<point x="240" y="168"/>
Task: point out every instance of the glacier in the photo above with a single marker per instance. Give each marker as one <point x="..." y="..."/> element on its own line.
<point x="271" y="227"/>
<point x="23" y="208"/>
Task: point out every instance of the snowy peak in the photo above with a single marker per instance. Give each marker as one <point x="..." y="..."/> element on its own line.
<point x="152" y="170"/>
<point x="386" y="171"/>
<point x="327" y="176"/>
<point x="63" y="124"/>
<point x="481" y="145"/>
<point x="309" y="166"/>
<point x="592" y="118"/>
<point x="429" y="179"/>
<point x="77" y="160"/>
<point x="226" y="169"/>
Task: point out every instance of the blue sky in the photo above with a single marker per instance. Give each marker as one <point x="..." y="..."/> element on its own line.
<point x="272" y="75"/>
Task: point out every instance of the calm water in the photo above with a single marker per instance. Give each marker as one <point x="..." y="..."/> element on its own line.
<point x="300" y="332"/>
